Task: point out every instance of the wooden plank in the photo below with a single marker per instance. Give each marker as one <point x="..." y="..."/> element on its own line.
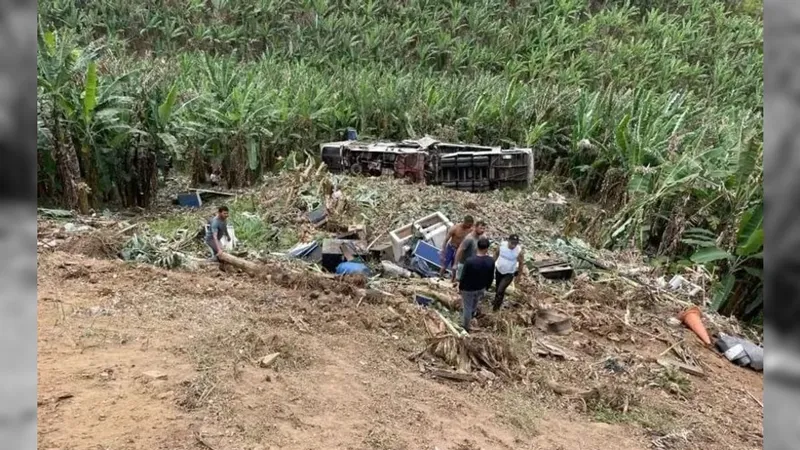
<point x="209" y="191"/>
<point x="548" y="262"/>
<point x="334" y="246"/>
<point x="560" y="271"/>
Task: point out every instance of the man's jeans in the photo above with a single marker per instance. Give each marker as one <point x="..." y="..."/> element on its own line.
<point x="469" y="305"/>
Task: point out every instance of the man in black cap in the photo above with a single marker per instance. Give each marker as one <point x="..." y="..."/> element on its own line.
<point x="508" y="265"/>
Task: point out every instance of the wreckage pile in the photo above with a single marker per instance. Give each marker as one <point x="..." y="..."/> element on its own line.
<point x="582" y="322"/>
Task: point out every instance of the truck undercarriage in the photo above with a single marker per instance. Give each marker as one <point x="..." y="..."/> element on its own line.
<point x="459" y="166"/>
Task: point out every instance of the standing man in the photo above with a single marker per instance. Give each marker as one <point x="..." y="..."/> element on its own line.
<point x="455" y="236"/>
<point x="476" y="279"/>
<point x="508" y="263"/>
<point x="468" y="247"/>
<point x="216" y="229"/>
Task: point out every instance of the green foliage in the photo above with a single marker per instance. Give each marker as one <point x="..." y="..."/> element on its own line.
<point x="742" y="264"/>
<point x="155" y="250"/>
<point x="667" y="94"/>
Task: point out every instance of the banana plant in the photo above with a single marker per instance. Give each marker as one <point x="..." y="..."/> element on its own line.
<point x="97" y="116"/>
<point x="59" y="61"/>
<point x="165" y="123"/>
<point x="237" y="115"/>
<point x="745" y="259"/>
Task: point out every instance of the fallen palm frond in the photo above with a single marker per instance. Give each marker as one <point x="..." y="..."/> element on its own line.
<point x="471" y="353"/>
<point x="155" y="250"/>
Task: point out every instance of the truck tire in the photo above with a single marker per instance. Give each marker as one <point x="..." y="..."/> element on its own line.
<point x="356" y="169"/>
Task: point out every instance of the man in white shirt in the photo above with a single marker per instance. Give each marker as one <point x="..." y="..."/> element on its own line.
<point x="508" y="263"/>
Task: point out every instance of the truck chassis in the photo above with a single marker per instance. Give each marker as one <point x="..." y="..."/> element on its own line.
<point x="465" y="167"/>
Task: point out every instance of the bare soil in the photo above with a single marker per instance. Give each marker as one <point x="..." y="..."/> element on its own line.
<point x="134" y="357"/>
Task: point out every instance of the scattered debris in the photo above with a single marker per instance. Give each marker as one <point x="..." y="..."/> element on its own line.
<point x="672" y="440"/>
<point x="544" y="348"/>
<point x="155" y="375"/>
<point x="691" y="370"/>
<point x="392" y="270"/>
<point x="190" y="200"/>
<point x="267" y="361"/>
<point x="301" y="324"/>
<point x="505" y="343"/>
<point x="352" y="268"/>
<point x="468" y="353"/>
<point x="431" y="229"/>
<point x="679" y="283"/>
<point x="486" y="375"/>
<point x="428" y="253"/>
<point x="55" y="213"/>
<point x="572" y="391"/>
<point x="63" y="397"/>
<point x="760" y="403"/>
<point x="552" y="322"/>
<point x="156" y="250"/>
<point x="555" y="269"/>
<point x="203" y="442"/>
<point x="304" y="250"/>
<point x="336" y="251"/>
<point x="382" y="251"/>
<point x="73" y="228"/>
<point x="452" y="375"/>
<point x="741" y="351"/>
<point x="243" y="264"/>
<point x="613" y="365"/>
<point x="318" y="217"/>
<point x="457" y="331"/>
<point x="555" y="207"/>
<point x="449" y="301"/>
<point x="422" y="300"/>
<point x="208" y="193"/>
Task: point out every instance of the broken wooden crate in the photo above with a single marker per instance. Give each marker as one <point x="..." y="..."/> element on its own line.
<point x="336" y="251"/>
<point x="554" y="269"/>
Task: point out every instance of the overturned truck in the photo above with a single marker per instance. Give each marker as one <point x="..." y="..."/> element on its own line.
<point x="459" y="166"/>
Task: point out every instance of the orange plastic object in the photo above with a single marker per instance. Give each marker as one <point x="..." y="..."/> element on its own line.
<point x="692" y="319"/>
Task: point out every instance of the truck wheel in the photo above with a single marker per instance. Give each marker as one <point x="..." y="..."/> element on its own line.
<point x="356" y="169"/>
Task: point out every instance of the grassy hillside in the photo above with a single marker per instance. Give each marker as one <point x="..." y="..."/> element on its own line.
<point x="651" y="107"/>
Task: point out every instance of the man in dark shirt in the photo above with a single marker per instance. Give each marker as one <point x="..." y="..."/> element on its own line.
<point x="476" y="278"/>
<point x="216" y="229"/>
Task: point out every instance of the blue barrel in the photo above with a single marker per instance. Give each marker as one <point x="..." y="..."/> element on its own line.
<point x="351" y="134"/>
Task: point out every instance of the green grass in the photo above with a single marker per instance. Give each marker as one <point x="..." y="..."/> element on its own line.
<point x="657" y="421"/>
<point x="169" y="226"/>
<point x="520" y="412"/>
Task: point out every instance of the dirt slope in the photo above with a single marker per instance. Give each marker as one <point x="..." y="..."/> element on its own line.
<point x="140" y="358"/>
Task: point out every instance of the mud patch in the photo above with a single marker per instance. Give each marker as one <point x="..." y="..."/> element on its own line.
<point x="99" y="244"/>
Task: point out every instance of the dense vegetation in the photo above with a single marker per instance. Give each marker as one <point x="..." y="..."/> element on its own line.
<point x="651" y="107"/>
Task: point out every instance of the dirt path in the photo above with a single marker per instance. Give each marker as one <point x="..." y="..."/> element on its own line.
<point x="139" y="358"/>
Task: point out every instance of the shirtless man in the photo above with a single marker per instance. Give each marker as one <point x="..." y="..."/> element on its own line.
<point x="455" y="236"/>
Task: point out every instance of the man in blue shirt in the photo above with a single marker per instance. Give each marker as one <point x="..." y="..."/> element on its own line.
<point x="476" y="278"/>
<point x="216" y="229"/>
